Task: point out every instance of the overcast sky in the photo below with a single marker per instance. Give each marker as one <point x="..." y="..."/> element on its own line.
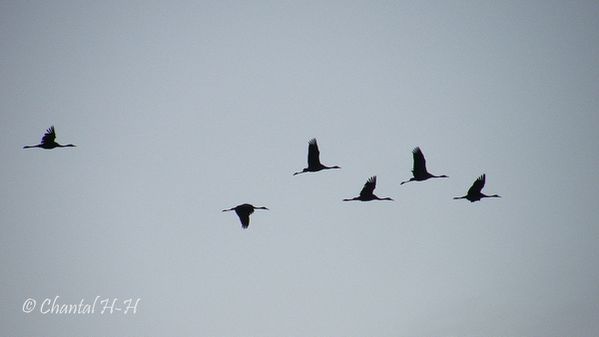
<point x="181" y="109"/>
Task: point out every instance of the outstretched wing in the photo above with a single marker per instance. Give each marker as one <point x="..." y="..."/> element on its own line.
<point x="244" y="211"/>
<point x="49" y="136"/>
<point x="419" y="161"/>
<point x="368" y="188"/>
<point x="477" y="186"/>
<point x="313" y="153"/>
<point x="245" y="220"/>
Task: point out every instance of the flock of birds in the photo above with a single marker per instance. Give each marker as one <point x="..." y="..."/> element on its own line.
<point x="243" y="211"/>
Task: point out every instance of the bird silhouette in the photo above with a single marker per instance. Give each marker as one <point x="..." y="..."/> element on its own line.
<point x="474" y="192"/>
<point x="48" y="141"/>
<point x="243" y="212"/>
<point x="419" y="171"/>
<point x="367" y="192"/>
<point x="314" y="164"/>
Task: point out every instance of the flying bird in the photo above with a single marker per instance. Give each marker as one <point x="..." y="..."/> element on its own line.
<point x="419" y="171"/>
<point x="474" y="192"/>
<point x="243" y="212"/>
<point x="48" y="141"/>
<point x="367" y="192"/>
<point x="314" y="164"/>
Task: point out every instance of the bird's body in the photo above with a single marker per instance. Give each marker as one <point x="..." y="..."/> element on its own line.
<point x="48" y="141"/>
<point x="367" y="192"/>
<point x="314" y="164"/>
<point x="419" y="171"/>
<point x="243" y="212"/>
<point x="474" y="192"/>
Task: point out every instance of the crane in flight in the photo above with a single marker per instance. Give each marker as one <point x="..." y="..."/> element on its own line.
<point x="367" y="192"/>
<point x="243" y="212"/>
<point x="48" y="141"/>
<point x="419" y="171"/>
<point x="474" y="192"/>
<point x="314" y="164"/>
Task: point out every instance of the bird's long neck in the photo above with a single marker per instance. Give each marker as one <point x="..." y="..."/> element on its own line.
<point x="385" y="198"/>
<point x="441" y="176"/>
<point x="490" y="196"/>
<point x="68" y="145"/>
<point x="261" y="208"/>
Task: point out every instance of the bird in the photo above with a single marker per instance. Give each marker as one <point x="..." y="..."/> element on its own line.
<point x="419" y="171"/>
<point x="314" y="164"/>
<point x="474" y="192"/>
<point x="366" y="193"/>
<point x="48" y="142"/>
<point x="243" y="212"/>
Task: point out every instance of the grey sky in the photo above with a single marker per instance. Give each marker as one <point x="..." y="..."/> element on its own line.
<point x="182" y="109"/>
